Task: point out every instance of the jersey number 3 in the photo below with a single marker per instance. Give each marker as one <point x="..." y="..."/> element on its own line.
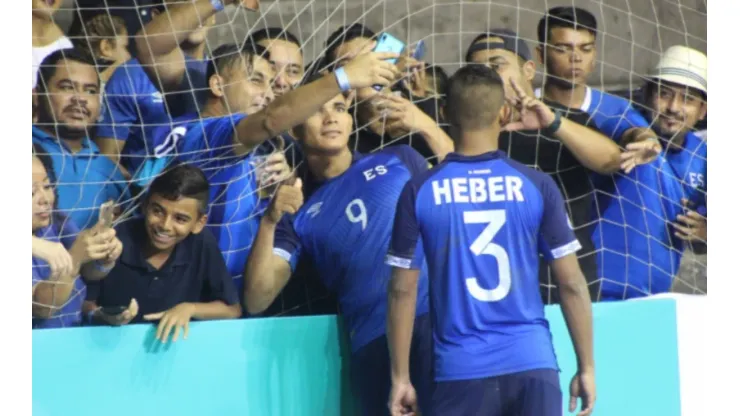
<point x="484" y="245"/>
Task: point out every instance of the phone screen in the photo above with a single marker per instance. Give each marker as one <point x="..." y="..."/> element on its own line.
<point x="388" y="43"/>
<point x="106" y="215"/>
<point x="114" y="310"/>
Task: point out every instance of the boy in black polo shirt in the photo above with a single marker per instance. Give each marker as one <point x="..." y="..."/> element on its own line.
<point x="171" y="270"/>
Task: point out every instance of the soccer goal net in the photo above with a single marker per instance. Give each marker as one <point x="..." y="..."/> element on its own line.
<point x="631" y="36"/>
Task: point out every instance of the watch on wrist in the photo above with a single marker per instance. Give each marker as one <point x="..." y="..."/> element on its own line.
<point x="554" y="126"/>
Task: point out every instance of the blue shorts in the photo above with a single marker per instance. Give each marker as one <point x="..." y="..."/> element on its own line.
<point x="371" y="370"/>
<point x="529" y="393"/>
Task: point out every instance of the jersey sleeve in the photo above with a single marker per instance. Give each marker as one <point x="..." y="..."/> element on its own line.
<point x="413" y="160"/>
<point x="218" y="283"/>
<point x="614" y="116"/>
<point x="287" y="245"/>
<point x="119" y="110"/>
<point x="556" y="236"/>
<point x="404" y="240"/>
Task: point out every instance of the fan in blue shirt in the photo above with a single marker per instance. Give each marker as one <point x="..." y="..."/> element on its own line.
<point x="483" y="220"/>
<point x="647" y="217"/>
<point x="344" y="228"/>
<point x="68" y="106"/>
<point x="132" y="104"/>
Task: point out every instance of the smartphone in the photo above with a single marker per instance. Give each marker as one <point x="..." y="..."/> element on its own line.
<point x="113" y="310"/>
<point x="420" y="50"/>
<point x="105" y="219"/>
<point x="388" y="43"/>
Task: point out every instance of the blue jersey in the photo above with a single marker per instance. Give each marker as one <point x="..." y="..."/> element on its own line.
<point x="345" y="227"/>
<point x="637" y="251"/>
<point x="483" y="221"/>
<point x="131" y="105"/>
<point x="234" y="212"/>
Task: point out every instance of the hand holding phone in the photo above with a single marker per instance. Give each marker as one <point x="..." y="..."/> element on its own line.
<point x="388" y="43"/>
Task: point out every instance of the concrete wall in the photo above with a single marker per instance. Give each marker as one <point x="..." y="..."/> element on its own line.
<point x="634" y="31"/>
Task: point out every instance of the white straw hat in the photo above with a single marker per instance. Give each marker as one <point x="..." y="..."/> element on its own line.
<point x="684" y="66"/>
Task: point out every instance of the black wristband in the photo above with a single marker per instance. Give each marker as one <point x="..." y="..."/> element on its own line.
<point x="554" y="126"/>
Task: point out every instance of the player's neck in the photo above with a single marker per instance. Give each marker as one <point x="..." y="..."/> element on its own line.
<point x="324" y="167"/>
<point x="566" y="94"/>
<point x="194" y="51"/>
<point x="214" y="107"/>
<point x="478" y="142"/>
<point x="45" y="32"/>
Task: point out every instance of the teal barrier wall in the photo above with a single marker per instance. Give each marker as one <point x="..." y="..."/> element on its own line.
<point x="298" y="367"/>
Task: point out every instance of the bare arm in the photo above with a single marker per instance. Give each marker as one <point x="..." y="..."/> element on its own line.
<point x="436" y="138"/>
<point x="576" y="305"/>
<point x="158" y="43"/>
<point x="216" y="310"/>
<point x="266" y="274"/>
<point x="593" y="149"/>
<point x="50" y="295"/>
<point x="291" y="109"/>
<point x="285" y="112"/>
<point x="401" y="313"/>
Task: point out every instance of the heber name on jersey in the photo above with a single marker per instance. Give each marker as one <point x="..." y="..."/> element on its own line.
<point x="467" y="190"/>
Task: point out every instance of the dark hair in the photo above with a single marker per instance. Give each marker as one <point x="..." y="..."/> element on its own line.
<point x="49" y="65"/>
<point x="272" y="33"/>
<point x="225" y="56"/>
<point x="474" y="97"/>
<point x="342" y="35"/>
<point x="567" y="17"/>
<point x="439" y="78"/>
<point x="182" y="181"/>
<point x="97" y="29"/>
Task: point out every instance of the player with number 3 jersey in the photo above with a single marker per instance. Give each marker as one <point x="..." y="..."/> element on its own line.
<point x="482" y="221"/>
<point x="344" y="227"/>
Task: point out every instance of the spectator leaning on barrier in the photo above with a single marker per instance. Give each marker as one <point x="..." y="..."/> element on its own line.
<point x="69" y="104"/>
<point x="171" y="269"/>
<point x="106" y="38"/>
<point x="641" y="234"/>
<point x="60" y="253"/>
<point x="343" y="230"/>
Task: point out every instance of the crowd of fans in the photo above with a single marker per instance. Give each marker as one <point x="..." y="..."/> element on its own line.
<point x="191" y="145"/>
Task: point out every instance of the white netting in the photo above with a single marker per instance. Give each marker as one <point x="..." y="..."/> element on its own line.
<point x="631" y="36"/>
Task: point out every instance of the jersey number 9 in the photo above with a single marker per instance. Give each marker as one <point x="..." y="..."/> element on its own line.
<point x="484" y="245"/>
<point x="361" y="216"/>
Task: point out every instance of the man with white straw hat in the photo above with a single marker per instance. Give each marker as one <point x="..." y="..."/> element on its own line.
<point x="638" y="254"/>
<point x="676" y="100"/>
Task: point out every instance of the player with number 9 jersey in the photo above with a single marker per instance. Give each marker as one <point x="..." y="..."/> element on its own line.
<point x="344" y="229"/>
<point x="483" y="220"/>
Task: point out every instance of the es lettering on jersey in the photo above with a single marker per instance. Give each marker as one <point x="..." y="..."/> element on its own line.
<point x="483" y="222"/>
<point x="345" y="227"/>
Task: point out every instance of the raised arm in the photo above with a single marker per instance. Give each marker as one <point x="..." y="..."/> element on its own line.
<point x="293" y="108"/>
<point x="266" y="272"/>
<point x="158" y="43"/>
